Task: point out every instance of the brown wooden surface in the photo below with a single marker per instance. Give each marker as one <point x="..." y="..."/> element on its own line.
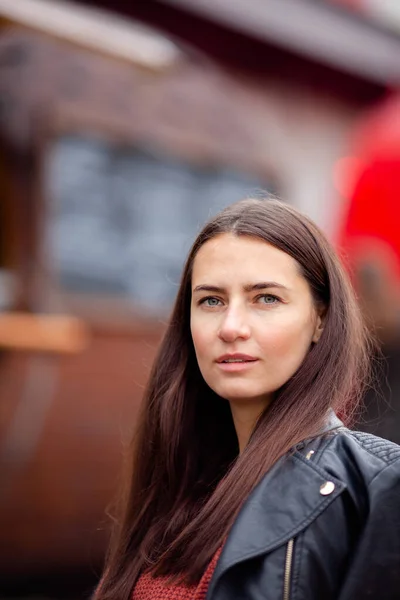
<point x="52" y="502"/>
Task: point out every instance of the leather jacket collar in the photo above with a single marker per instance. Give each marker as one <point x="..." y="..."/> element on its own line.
<point x="332" y="422"/>
<point x="268" y="520"/>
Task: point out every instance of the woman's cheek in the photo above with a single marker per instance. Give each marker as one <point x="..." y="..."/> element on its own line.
<point x="277" y="337"/>
<point x="201" y="339"/>
<point x="291" y="341"/>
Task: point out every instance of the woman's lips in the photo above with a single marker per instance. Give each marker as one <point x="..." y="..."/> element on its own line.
<point x="236" y="367"/>
<point x="236" y="357"/>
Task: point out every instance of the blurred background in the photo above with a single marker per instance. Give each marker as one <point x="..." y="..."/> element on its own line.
<point x="123" y="127"/>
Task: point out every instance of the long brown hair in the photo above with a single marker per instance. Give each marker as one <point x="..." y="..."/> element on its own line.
<point x="187" y="481"/>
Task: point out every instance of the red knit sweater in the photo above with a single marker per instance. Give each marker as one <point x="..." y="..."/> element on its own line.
<point x="149" y="588"/>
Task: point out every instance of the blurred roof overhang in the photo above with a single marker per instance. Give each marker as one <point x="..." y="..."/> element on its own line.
<point x="314" y="42"/>
<point x="314" y="29"/>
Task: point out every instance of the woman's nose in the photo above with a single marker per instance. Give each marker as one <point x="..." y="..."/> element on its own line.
<point x="234" y="326"/>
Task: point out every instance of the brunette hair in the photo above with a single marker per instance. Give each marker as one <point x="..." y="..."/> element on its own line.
<point x="187" y="481"/>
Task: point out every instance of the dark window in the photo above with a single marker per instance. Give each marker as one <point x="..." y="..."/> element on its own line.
<point x="123" y="219"/>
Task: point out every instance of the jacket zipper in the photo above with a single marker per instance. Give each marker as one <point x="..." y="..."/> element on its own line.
<point x="289" y="556"/>
<point x="288" y="570"/>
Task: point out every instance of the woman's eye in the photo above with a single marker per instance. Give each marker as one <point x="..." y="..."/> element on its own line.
<point x="210" y="301"/>
<point x="268" y="299"/>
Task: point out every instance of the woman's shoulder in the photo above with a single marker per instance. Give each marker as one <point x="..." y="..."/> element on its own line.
<point x="359" y="456"/>
<point x="380" y="448"/>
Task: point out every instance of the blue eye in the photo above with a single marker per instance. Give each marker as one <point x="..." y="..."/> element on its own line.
<point x="210" y="302"/>
<point x="268" y="299"/>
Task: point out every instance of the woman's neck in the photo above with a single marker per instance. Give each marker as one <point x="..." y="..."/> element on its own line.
<point x="245" y="414"/>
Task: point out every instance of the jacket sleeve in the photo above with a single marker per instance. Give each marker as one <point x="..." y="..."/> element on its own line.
<point x="374" y="568"/>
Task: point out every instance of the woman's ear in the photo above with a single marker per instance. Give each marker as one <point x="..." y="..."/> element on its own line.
<point x="319" y="325"/>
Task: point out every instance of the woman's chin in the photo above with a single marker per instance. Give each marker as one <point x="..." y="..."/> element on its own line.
<point x="245" y="397"/>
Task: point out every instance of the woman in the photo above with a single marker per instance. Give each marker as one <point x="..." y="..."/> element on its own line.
<point x="244" y="483"/>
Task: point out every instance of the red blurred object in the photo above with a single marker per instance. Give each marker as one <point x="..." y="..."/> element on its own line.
<point x="371" y="179"/>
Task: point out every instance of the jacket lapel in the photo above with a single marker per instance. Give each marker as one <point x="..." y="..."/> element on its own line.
<point x="284" y="503"/>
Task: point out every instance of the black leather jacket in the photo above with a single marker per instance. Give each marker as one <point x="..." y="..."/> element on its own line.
<point x="323" y="524"/>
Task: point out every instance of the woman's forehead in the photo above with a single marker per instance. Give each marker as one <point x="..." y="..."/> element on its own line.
<point x="229" y="257"/>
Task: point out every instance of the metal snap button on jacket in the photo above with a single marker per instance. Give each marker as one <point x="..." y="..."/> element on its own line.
<point x="327" y="488"/>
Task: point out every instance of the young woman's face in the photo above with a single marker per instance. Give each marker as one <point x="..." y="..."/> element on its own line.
<point x="253" y="318"/>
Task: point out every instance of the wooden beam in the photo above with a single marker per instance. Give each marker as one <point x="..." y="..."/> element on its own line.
<point x="42" y="333"/>
<point x="94" y="29"/>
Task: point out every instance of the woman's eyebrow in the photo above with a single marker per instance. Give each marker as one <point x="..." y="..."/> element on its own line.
<point x="263" y="285"/>
<point x="209" y="288"/>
